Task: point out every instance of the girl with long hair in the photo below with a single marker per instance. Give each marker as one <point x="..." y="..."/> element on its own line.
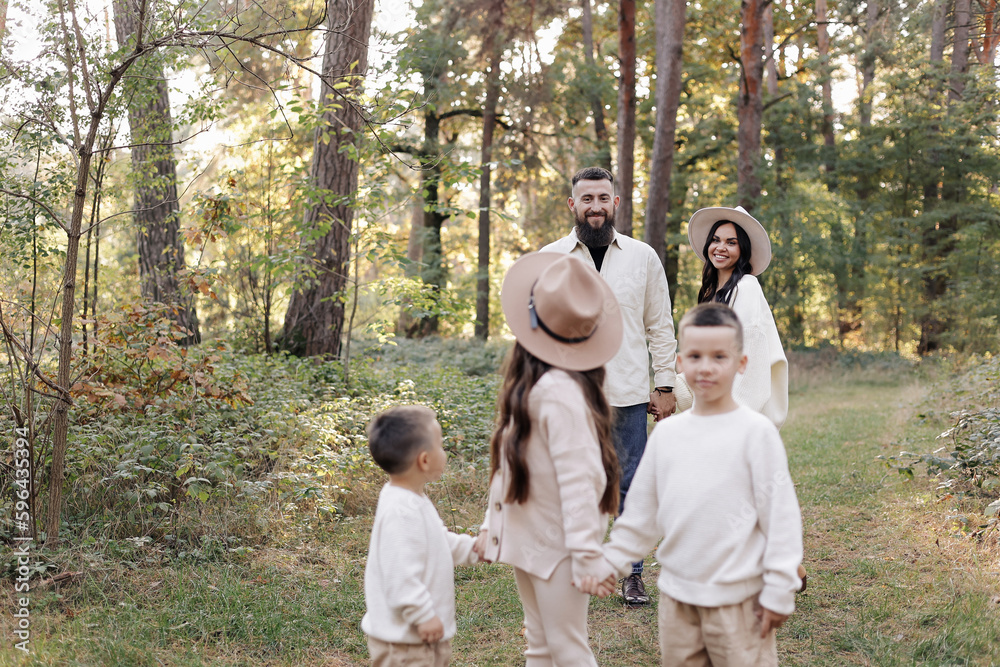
<point x="554" y="471"/>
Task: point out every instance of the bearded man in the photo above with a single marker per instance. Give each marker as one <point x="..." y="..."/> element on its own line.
<point x="636" y="276"/>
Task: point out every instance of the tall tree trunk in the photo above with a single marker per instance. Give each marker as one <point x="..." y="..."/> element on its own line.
<point x="84" y="148"/>
<point x="750" y="105"/>
<point x="960" y="51"/>
<point x="985" y="46"/>
<point x="156" y="210"/>
<point x="939" y="19"/>
<point x="670" y="19"/>
<point x="432" y="271"/>
<point x="929" y="323"/>
<point x="314" y="320"/>
<point x="938" y="26"/>
<point x="596" y="105"/>
<point x="851" y="309"/>
<point x="939" y="236"/>
<point x="771" y="57"/>
<point x="626" y="114"/>
<point x="838" y="234"/>
<point x="407" y="323"/>
<point x="826" y="90"/>
<point x="493" y="48"/>
<point x="771" y="84"/>
<point x="868" y="59"/>
<point x="781" y="225"/>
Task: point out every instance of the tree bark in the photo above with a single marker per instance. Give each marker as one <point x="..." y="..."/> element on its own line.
<point x="414" y="253"/>
<point x="84" y="149"/>
<point x="771" y="84"/>
<point x="750" y="106"/>
<point x="960" y="51"/>
<point x="596" y="105"/>
<point x="850" y="307"/>
<point x="493" y="47"/>
<point x="771" y="59"/>
<point x="939" y="235"/>
<point x="432" y="271"/>
<point x="314" y="320"/>
<point x="826" y="90"/>
<point x="670" y="20"/>
<point x="938" y="26"/>
<point x="156" y="210"/>
<point x="626" y="114"/>
<point x="985" y="47"/>
<point x="868" y="59"/>
<point x="939" y="18"/>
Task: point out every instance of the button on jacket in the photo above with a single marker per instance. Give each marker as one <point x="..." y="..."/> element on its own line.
<point x="636" y="276"/>
<point x="561" y="517"/>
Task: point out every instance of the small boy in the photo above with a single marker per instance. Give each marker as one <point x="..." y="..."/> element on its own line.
<point x="409" y="578"/>
<point x="714" y="484"/>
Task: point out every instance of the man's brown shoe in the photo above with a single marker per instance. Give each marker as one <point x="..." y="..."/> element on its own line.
<point x="634" y="591"/>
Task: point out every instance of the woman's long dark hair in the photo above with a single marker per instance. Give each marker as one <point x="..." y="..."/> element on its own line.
<point x="710" y="274"/>
<point x="522" y="371"/>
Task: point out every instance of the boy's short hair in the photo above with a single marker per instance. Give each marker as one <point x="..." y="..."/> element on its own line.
<point x="712" y="314"/>
<point x="397" y="435"/>
<point x="593" y="174"/>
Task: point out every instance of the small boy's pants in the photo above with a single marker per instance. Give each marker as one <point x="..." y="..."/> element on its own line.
<point x="692" y="636"/>
<point x="384" y="654"/>
<point x="555" y="619"/>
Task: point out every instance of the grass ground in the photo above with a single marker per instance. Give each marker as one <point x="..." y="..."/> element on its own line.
<point x="891" y="582"/>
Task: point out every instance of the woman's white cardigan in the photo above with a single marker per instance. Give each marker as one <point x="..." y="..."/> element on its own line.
<point x="764" y="385"/>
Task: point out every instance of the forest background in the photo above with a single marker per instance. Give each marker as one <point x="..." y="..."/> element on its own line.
<point x="220" y="217"/>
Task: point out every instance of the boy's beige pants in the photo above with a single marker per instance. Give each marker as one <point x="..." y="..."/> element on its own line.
<point x="692" y="636"/>
<point x="555" y="619"/>
<point x="384" y="654"/>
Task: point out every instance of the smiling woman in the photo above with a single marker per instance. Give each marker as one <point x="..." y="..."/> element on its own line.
<point x="735" y="248"/>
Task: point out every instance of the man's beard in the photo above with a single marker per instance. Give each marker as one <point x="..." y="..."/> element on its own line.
<point x="596" y="238"/>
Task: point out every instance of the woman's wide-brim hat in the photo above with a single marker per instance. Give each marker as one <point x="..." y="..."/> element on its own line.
<point x="701" y="224"/>
<point x="562" y="311"/>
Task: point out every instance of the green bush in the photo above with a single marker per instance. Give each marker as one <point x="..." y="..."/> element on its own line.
<point x="136" y="472"/>
<point x="970" y="461"/>
<point x="189" y="472"/>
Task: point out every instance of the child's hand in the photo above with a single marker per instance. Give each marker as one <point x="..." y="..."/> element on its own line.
<point x="480" y="546"/>
<point x="431" y="631"/>
<point x="588" y="585"/>
<point x="602" y="589"/>
<point x="769" y="620"/>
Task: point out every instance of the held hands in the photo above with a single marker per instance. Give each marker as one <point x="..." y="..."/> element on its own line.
<point x="431" y="631"/>
<point x="769" y="620"/>
<point x="602" y="589"/>
<point x="479" y="548"/>
<point x="661" y="405"/>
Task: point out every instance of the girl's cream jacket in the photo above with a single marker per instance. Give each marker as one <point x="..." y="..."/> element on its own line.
<point x="561" y="518"/>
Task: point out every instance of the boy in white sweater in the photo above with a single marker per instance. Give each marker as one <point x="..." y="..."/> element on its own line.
<point x="409" y="577"/>
<point x="714" y="484"/>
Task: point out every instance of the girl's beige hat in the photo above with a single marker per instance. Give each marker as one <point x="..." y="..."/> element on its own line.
<point x="562" y="311"/>
<point x="701" y="224"/>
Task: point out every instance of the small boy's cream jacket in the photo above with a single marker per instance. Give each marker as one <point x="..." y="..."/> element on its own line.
<point x="561" y="518"/>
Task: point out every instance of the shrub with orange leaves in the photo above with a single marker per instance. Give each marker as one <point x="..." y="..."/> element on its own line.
<point x="135" y="361"/>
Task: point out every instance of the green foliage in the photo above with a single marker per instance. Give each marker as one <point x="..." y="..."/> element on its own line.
<point x="969" y="462"/>
<point x="207" y="476"/>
